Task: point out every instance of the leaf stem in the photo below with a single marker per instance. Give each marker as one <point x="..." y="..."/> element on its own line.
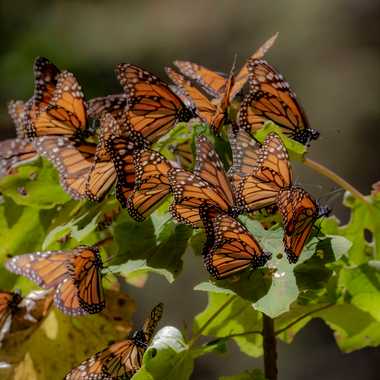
<point x="326" y="172"/>
<point x="299" y="319"/>
<point x="270" y="348"/>
<point x="212" y="317"/>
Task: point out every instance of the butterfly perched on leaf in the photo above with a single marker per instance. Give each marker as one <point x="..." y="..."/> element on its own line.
<point x="120" y="360"/>
<point x="263" y="177"/>
<point x="17" y="151"/>
<point x="230" y="247"/>
<point x="271" y="98"/>
<point x="214" y="83"/>
<point x="75" y="275"/>
<point x="153" y="108"/>
<point x="208" y="184"/>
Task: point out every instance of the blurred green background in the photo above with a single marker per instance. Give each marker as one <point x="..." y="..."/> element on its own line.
<point x="328" y="51"/>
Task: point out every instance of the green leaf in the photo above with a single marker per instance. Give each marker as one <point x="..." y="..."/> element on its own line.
<point x="149" y="244"/>
<point x="36" y="185"/>
<point x="295" y="149"/>
<point x="365" y="217"/>
<point x="353" y="328"/>
<point x="237" y="317"/>
<point x="168" y="357"/>
<point x="363" y="285"/>
<point x="136" y="268"/>
<point x="255" y="374"/>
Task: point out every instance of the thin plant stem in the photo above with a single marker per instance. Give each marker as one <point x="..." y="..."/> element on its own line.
<point x="270" y="348"/>
<point x="326" y="172"/>
<point x="208" y="322"/>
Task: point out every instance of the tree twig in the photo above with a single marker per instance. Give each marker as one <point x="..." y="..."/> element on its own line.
<point x="326" y="172"/>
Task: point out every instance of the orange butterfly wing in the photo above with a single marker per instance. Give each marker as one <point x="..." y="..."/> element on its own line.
<point x="152" y="183"/>
<point x="102" y="174"/>
<point x="113" y="104"/>
<point x="87" y="266"/>
<point x="271" y="174"/>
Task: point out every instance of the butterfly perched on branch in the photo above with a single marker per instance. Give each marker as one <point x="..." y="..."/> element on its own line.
<point x="75" y="275"/>
<point x="120" y="360"/>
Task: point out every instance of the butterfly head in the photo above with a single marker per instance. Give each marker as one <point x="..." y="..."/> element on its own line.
<point x="185" y="114"/>
<point x="292" y="257"/>
<point x="139" y="338"/>
<point x="261" y="260"/>
<point x="323" y="211"/>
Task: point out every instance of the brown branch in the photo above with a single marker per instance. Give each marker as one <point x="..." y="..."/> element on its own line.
<point x="270" y="349"/>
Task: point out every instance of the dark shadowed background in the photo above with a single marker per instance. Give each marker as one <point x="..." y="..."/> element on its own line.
<point x="328" y="51"/>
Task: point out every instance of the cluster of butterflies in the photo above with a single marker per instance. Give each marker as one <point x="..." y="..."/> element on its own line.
<point x="56" y="123"/>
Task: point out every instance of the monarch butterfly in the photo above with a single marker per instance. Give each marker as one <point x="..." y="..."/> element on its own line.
<point x="271" y="98"/>
<point x="230" y="247"/>
<point x="75" y="276"/>
<point x="45" y="81"/>
<point x="208" y="184"/>
<point x="153" y="108"/>
<point x="113" y="104"/>
<point x="268" y="182"/>
<point x="214" y="114"/>
<point x="120" y="360"/>
<point x="214" y="83"/>
<point x="14" y="152"/>
<point x="299" y="211"/>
